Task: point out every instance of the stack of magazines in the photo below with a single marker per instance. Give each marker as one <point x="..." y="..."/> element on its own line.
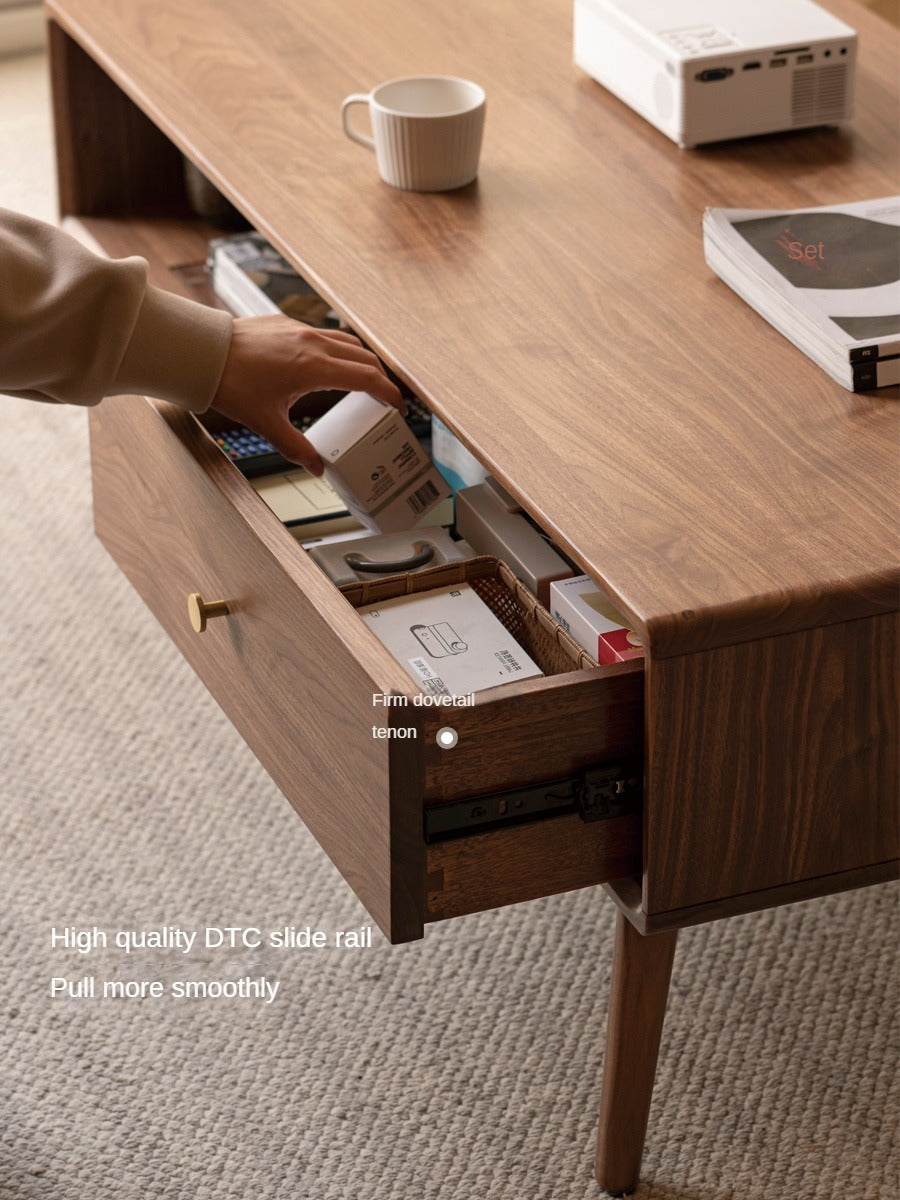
<point x="253" y="279"/>
<point x="826" y="278"/>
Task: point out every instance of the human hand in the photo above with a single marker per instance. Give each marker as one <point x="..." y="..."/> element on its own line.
<point x="274" y="360"/>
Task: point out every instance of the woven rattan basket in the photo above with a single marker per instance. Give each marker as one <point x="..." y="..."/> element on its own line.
<point x="548" y="644"/>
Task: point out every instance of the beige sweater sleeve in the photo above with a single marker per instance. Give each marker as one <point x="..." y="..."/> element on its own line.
<point x="75" y="327"/>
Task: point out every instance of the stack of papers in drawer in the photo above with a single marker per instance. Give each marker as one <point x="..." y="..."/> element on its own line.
<point x="449" y="641"/>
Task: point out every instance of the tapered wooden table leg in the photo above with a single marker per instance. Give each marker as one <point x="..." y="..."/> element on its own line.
<point x="642" y="969"/>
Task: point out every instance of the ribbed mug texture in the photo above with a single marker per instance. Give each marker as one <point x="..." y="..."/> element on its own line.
<point x="428" y="154"/>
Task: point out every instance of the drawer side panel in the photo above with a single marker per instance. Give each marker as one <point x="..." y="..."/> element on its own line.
<point x="771" y="763"/>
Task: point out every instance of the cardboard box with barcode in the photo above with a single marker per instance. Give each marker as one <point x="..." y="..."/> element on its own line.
<point x="449" y="641"/>
<point x="593" y="621"/>
<point x="376" y="465"/>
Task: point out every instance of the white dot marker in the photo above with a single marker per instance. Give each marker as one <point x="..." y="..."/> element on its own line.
<point x="447" y="737"/>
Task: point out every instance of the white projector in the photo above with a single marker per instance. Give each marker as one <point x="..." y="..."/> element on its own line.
<point x="707" y="70"/>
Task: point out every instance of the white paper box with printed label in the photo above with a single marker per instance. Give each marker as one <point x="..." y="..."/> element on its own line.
<point x="449" y="641"/>
<point x="593" y="621"/>
<point x="376" y="465"/>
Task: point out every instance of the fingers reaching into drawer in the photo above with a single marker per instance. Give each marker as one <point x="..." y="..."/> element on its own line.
<point x="273" y="361"/>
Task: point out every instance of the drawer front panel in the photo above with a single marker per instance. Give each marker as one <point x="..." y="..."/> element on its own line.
<point x="547" y="729"/>
<point x="291" y="664"/>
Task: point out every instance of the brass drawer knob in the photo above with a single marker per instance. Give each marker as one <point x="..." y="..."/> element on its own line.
<point x="200" y="611"/>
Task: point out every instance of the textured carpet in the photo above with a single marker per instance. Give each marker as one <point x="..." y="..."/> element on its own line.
<point x="464" y="1067"/>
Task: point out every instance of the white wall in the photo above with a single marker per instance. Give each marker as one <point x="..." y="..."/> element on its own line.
<point x="21" y="26"/>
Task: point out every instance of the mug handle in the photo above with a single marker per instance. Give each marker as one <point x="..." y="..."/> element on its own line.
<point x="362" y="138"/>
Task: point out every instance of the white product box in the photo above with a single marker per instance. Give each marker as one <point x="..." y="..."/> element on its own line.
<point x="449" y="641"/>
<point x="376" y="465"/>
<point x="707" y="70"/>
<point x="592" y="620"/>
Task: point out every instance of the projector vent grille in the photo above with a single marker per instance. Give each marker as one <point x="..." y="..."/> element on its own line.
<point x="663" y="96"/>
<point x="819" y="94"/>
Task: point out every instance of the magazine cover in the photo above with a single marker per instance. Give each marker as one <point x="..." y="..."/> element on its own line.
<point x="827" y="278"/>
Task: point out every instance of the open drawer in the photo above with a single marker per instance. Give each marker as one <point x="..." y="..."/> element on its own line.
<point x="296" y="670"/>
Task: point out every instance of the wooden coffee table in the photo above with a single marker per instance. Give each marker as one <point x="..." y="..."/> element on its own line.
<point x="559" y="317"/>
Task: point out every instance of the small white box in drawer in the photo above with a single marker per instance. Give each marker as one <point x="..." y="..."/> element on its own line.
<point x="449" y="641"/>
<point x="376" y="465"/>
<point x="593" y="621"/>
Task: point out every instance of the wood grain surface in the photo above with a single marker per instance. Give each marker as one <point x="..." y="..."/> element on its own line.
<point x="558" y="313"/>
<point x="544" y="728"/>
<point x="291" y="664"/>
<point x="772" y="762"/>
<point x="469" y="874"/>
<point x="628" y="895"/>
<point x="739" y="505"/>
<point x="322" y="755"/>
<point x="642" y="969"/>
<point x="111" y="158"/>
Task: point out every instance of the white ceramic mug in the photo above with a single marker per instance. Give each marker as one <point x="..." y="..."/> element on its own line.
<point x="426" y="130"/>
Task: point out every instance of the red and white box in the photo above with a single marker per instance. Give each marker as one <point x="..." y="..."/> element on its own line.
<point x="592" y="620"/>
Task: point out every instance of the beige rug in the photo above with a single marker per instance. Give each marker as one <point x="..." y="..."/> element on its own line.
<point x="465" y="1067"/>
